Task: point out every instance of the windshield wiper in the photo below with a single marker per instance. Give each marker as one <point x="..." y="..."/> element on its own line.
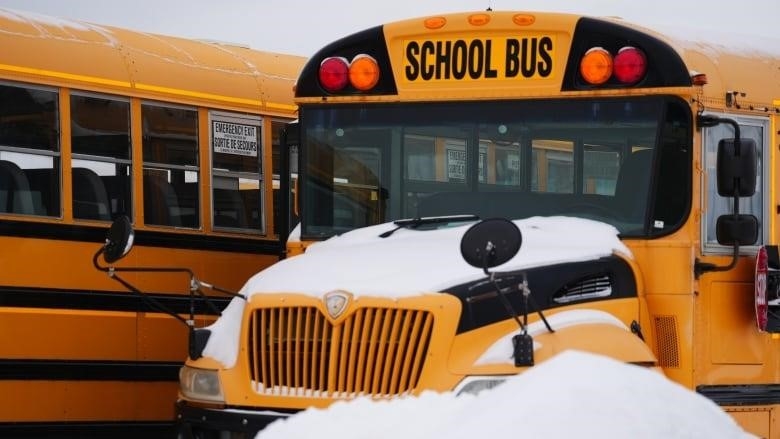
<point x="414" y="223"/>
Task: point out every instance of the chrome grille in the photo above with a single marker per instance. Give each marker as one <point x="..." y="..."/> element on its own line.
<point x="297" y="351"/>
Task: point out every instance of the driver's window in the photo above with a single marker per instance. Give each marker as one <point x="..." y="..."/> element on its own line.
<point x="750" y="128"/>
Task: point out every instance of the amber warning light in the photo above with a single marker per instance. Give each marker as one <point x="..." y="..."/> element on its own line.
<point x="628" y="66"/>
<point x="336" y="73"/>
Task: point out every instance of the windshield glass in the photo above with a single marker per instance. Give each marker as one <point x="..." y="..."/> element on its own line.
<point x="366" y="164"/>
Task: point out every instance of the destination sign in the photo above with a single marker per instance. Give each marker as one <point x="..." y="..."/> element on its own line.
<point x="528" y="57"/>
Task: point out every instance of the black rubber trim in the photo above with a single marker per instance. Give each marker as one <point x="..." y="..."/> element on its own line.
<point x="199" y="241"/>
<point x="94" y="429"/>
<point x="742" y="394"/>
<point x="43" y="298"/>
<point x="87" y="370"/>
<point x="198" y="422"/>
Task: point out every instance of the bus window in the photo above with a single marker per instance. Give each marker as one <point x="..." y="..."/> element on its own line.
<point x="500" y="152"/>
<point x="435" y="162"/>
<point x="353" y="192"/>
<point x="170" y="155"/>
<point x="420" y="158"/>
<point x="29" y="150"/>
<point x="600" y="169"/>
<point x="552" y="166"/>
<point x="100" y="143"/>
<point x="237" y="186"/>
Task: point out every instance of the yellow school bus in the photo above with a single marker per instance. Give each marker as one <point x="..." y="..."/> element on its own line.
<point x="637" y="166"/>
<point x="98" y="122"/>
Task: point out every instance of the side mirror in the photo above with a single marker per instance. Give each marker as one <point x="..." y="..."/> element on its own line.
<point x="119" y="240"/>
<point x="490" y="243"/>
<point x="737" y="229"/>
<point x="737" y="167"/>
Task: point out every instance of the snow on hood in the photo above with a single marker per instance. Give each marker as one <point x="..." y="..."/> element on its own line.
<point x="411" y="262"/>
<point x="407" y="263"/>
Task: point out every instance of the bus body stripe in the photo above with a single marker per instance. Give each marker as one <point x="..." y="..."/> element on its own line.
<point x="90" y="300"/>
<point x="88" y="370"/>
<point x="81" y="429"/>
<point x="68" y="232"/>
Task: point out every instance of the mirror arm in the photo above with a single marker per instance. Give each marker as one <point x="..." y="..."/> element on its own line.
<point x="195" y="285"/>
<point x="700" y="268"/>
<point x="151" y="301"/>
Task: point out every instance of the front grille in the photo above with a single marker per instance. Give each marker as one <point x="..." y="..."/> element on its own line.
<point x="589" y="288"/>
<point x="297" y="351"/>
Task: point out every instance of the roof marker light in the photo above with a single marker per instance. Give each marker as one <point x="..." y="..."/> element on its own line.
<point x="523" y="19"/>
<point x="479" y="19"/>
<point x="630" y="65"/>
<point x="363" y="72"/>
<point x="334" y="73"/>
<point x="596" y="66"/>
<point x="435" y="22"/>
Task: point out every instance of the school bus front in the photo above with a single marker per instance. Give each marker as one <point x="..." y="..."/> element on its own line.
<point x="641" y="184"/>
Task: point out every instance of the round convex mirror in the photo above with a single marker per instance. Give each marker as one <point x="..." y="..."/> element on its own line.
<point x="490" y="243"/>
<point x="119" y="240"/>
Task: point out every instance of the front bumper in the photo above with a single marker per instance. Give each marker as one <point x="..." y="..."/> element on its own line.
<point x="205" y="423"/>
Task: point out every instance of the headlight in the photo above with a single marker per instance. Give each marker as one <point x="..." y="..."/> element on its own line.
<point x="474" y="385"/>
<point x="200" y="384"/>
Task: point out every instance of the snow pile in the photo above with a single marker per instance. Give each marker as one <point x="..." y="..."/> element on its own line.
<point x="574" y="394"/>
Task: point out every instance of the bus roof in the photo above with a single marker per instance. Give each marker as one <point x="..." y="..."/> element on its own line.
<point x="747" y="65"/>
<point x="731" y="62"/>
<point x="43" y="49"/>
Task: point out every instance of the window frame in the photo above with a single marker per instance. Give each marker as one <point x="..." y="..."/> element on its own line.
<point x="53" y="154"/>
<point x="106" y="158"/>
<point x="245" y="119"/>
<point x="708" y="185"/>
<point x="161" y="166"/>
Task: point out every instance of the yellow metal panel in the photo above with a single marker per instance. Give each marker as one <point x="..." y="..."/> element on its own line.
<point x="67" y="334"/>
<point x="42" y="401"/>
<point x="757" y="420"/>
<point x="124" y="61"/>
<point x="735" y="338"/>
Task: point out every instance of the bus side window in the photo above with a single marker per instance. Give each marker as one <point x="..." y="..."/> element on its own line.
<point x="161" y="204"/>
<point x="171" y="174"/>
<point x="101" y="169"/>
<point x="14" y="189"/>
<point x="90" y="199"/>
<point x="29" y="140"/>
<point x="237" y="179"/>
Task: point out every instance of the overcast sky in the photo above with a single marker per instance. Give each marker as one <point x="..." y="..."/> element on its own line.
<point x="302" y="26"/>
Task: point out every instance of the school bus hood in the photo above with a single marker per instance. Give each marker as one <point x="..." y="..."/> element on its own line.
<point x="411" y="262"/>
<point x="406" y="264"/>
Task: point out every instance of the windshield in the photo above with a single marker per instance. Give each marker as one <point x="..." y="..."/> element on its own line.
<point x="367" y="164"/>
